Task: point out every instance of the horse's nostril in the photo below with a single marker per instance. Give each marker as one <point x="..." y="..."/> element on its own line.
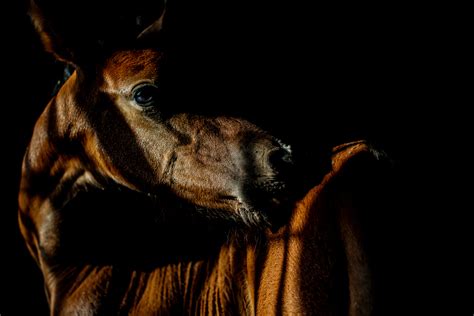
<point x="280" y="159"/>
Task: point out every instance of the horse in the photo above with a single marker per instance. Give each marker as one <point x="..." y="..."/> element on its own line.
<point x="131" y="208"/>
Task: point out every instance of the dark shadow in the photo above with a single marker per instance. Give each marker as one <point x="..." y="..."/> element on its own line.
<point x="125" y="228"/>
<point x="116" y="137"/>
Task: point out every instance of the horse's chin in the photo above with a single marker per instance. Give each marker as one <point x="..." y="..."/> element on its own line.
<point x="248" y="217"/>
<point x="235" y="216"/>
<point x="271" y="213"/>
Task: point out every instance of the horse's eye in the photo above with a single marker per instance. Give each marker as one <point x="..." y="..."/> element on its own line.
<point x="145" y="95"/>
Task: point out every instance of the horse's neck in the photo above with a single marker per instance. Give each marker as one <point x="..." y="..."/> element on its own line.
<point x="218" y="285"/>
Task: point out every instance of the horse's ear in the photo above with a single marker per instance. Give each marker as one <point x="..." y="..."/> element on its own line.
<point x="60" y="31"/>
<point x="80" y="31"/>
<point x="153" y="31"/>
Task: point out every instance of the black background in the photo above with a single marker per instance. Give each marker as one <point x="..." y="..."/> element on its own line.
<point x="387" y="72"/>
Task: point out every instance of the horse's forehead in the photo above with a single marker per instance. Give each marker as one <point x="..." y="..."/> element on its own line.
<point x="127" y="67"/>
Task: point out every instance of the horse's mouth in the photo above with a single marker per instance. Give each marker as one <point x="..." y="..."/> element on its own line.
<point x="252" y="210"/>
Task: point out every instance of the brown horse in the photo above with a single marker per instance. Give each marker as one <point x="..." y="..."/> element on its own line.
<point x="130" y="209"/>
